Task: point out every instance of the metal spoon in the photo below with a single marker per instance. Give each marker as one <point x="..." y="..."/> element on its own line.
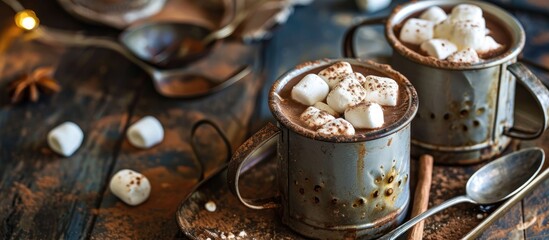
<point x="495" y="182"/>
<point x="175" y="83"/>
<point x="187" y="43"/>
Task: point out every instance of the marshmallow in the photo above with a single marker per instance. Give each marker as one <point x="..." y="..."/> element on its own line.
<point x="131" y="187"/>
<point x="210" y="206"/>
<point x="489" y="45"/>
<point x="438" y="48"/>
<point x="315" y="118"/>
<point x="443" y="29"/>
<point x="372" y="5"/>
<point x="434" y="14"/>
<point x="310" y="89"/>
<point x="65" y="139"/>
<point x="336" y="127"/>
<point x="468" y="35"/>
<point x="325" y="107"/>
<point x="146" y="132"/>
<point x="467" y="55"/>
<point x="365" y="115"/>
<point x="360" y="78"/>
<point x="465" y="12"/>
<point x="416" y="31"/>
<point x="335" y="73"/>
<point x="346" y="93"/>
<point x="381" y="90"/>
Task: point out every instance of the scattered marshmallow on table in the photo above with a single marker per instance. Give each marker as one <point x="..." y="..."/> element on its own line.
<point x="416" y="31"/>
<point x="381" y="90"/>
<point x="315" y="118"/>
<point x="346" y="93"/>
<point x="310" y="89"/>
<point x="467" y="55"/>
<point x="336" y="127"/>
<point x="434" y="14"/>
<point x="468" y="35"/>
<point x="65" y="139"/>
<point x="325" y="107"/>
<point x="438" y="48"/>
<point x="146" y="132"/>
<point x="131" y="187"/>
<point x="336" y="73"/>
<point x="365" y="115"/>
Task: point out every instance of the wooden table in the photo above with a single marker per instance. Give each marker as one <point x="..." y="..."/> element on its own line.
<point x="45" y="196"/>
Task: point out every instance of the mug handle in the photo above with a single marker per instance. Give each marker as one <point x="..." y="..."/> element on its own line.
<point x="539" y="92"/>
<point x="349" y="50"/>
<point x="242" y="157"/>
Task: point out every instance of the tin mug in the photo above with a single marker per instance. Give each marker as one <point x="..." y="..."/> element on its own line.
<point x="340" y="186"/>
<point x="467" y="111"/>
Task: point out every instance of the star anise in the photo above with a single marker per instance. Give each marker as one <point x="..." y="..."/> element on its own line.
<point x="30" y="85"/>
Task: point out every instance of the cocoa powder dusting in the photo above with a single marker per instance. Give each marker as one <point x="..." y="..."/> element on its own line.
<point x="119" y="221"/>
<point x="453" y="222"/>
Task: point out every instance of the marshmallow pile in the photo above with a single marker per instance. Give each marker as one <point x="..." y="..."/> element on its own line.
<point x="460" y="36"/>
<point x="341" y="100"/>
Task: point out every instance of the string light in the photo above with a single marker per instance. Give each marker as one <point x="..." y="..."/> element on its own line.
<point x="26" y="19"/>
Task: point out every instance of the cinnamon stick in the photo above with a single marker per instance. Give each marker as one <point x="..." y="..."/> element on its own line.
<point x="421" y="196"/>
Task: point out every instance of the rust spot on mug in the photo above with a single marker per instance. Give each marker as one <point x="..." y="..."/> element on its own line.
<point x="389" y="142"/>
<point x="317" y="188"/>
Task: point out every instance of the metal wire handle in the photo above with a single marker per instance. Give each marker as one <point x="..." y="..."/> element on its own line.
<point x="199" y="161"/>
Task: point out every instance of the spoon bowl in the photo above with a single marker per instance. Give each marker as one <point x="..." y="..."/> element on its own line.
<point x="504" y="177"/>
<point x="495" y="182"/>
<point x="150" y="42"/>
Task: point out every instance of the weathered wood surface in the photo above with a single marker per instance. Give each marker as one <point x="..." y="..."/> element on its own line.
<point x="45" y="196"/>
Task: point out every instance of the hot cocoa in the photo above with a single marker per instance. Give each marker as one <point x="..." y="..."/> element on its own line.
<point x="463" y="33"/>
<point x="337" y="100"/>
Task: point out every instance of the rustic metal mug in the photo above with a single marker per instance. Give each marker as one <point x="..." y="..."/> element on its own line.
<point x="335" y="187"/>
<point x="467" y="111"/>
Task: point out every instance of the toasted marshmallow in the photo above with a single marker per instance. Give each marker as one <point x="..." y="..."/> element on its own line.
<point x="346" y="93"/>
<point x="468" y="35"/>
<point x="467" y="55"/>
<point x="131" y="187"/>
<point x="416" y="31"/>
<point x="489" y="45"/>
<point x="365" y="115"/>
<point x="336" y="127"/>
<point x="381" y="90"/>
<point x="310" y="89"/>
<point x="65" y="139"/>
<point x="315" y="118"/>
<point x="335" y="73"/>
<point x="443" y="29"/>
<point x="466" y="12"/>
<point x="438" y="48"/>
<point x="325" y="107"/>
<point x="372" y="5"/>
<point x="146" y="132"/>
<point x="434" y="14"/>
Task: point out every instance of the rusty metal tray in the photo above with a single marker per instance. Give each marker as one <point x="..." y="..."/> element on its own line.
<point x="231" y="218"/>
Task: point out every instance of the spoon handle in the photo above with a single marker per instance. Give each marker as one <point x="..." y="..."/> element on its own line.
<point x="76" y="39"/>
<point x="410" y="223"/>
